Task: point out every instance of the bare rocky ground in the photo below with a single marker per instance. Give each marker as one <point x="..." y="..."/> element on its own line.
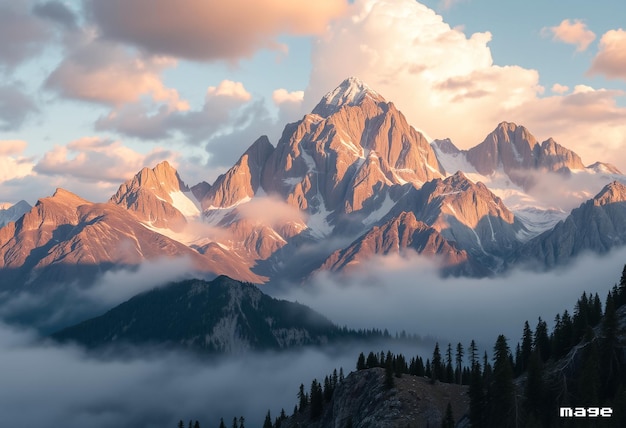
<point x="363" y="401"/>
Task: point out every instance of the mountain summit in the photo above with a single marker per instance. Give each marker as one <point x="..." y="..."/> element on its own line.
<point x="157" y="197"/>
<point x="351" y="91"/>
<point x="350" y="181"/>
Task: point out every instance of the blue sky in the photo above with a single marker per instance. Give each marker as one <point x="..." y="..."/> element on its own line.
<point x="94" y="90"/>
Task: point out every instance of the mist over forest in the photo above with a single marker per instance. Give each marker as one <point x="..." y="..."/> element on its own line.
<point x="148" y="387"/>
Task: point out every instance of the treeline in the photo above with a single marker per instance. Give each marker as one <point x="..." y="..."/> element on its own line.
<point x="580" y="363"/>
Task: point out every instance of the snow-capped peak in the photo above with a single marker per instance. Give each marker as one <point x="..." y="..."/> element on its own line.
<point x="351" y="91"/>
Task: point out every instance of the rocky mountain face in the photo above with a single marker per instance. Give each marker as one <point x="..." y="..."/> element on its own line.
<point x="399" y="234"/>
<point x="66" y="239"/>
<point x="349" y="181"/>
<point x="514" y="149"/>
<point x="220" y="316"/>
<point x="598" y="225"/>
<point x="362" y="401"/>
<point x="340" y="156"/>
<point x="9" y="213"/>
<point x="157" y="197"/>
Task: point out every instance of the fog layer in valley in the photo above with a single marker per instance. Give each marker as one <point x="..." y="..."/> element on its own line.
<point x="155" y="388"/>
<point x="406" y="293"/>
<point x="150" y="388"/>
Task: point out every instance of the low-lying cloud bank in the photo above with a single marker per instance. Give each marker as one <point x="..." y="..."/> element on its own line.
<point x="145" y="387"/>
<point x="61" y="305"/>
<point x="65" y="386"/>
<point x="407" y="294"/>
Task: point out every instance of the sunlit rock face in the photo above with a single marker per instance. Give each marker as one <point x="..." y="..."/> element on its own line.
<point x="598" y="225"/>
<point x="350" y="181"/>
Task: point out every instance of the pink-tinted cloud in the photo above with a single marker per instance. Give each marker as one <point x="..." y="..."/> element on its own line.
<point x="587" y="120"/>
<point x="611" y="59"/>
<point x="446" y="83"/>
<point x="572" y="32"/>
<point x="209" y="30"/>
<point x="229" y="89"/>
<point x="219" y="112"/>
<point x="96" y="160"/>
<point x="12" y="147"/>
<point x="557" y="88"/>
<point x="281" y="96"/>
<point x="106" y="73"/>
<point x="13" y="165"/>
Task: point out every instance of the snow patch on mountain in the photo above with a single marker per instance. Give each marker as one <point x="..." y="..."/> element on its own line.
<point x="186" y="203"/>
<point x="351" y="91"/>
<point x="317" y="222"/>
<point x="380" y="212"/>
<point x="453" y="162"/>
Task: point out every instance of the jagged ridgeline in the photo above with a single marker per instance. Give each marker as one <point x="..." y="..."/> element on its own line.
<point x="220" y="316"/>
<point x="351" y="180"/>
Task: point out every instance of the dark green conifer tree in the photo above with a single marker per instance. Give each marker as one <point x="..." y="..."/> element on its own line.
<point x="534" y="389"/>
<point x="448" y="418"/>
<point x="372" y="360"/>
<point x="317" y="400"/>
<point x="437" y="367"/>
<point x="360" y="363"/>
<point x="459" y="363"/>
<point x="527" y="346"/>
<point x="389" y="381"/>
<point x="502" y="393"/>
<point x="596" y="313"/>
<point x="609" y="360"/>
<point x="542" y="340"/>
<point x="449" y="371"/>
<point x="303" y="400"/>
<point x="588" y="388"/>
<point x="268" y="420"/>
<point x="222" y="424"/>
<point x="477" y="397"/>
<point x="473" y="353"/>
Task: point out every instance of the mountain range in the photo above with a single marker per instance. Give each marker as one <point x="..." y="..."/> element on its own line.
<point x="349" y="181"/>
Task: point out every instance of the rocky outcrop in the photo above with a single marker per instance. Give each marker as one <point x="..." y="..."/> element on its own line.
<point x="466" y="213"/>
<point x="242" y="181"/>
<point x="149" y="196"/>
<point x="362" y="401"/>
<point x="514" y="149"/>
<point x="320" y="159"/>
<point x="397" y="236"/>
<point x="597" y="225"/>
<point x="446" y="146"/>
